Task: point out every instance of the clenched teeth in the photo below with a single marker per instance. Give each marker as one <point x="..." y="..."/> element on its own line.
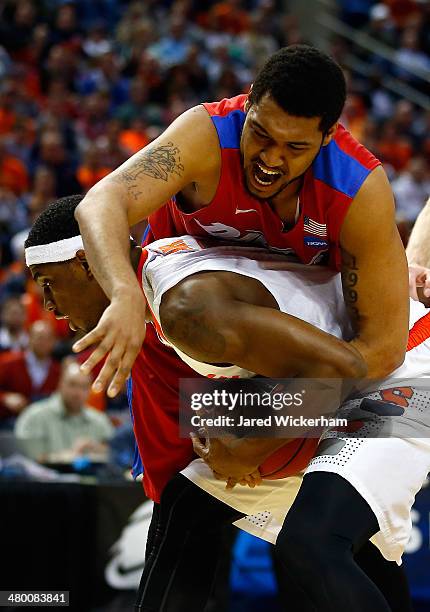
<point x="266" y="171"/>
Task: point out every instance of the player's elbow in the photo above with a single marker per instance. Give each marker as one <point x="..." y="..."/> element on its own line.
<point x="354" y="366"/>
<point x="387" y="363"/>
<point x="349" y="364"/>
<point x="96" y="197"/>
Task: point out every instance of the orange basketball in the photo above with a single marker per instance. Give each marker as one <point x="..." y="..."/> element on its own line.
<point x="290" y="459"/>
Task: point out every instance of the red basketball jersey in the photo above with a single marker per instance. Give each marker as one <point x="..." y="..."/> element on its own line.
<point x="329" y="187"/>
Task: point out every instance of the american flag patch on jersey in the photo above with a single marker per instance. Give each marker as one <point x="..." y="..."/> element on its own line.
<point x="318" y="229"/>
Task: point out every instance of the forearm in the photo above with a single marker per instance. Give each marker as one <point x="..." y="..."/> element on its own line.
<point x="103" y="221"/>
<point x="418" y="249"/>
<point x="277" y="345"/>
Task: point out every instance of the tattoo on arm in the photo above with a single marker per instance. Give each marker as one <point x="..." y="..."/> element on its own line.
<point x="349" y="275"/>
<point x="157" y="162"/>
<point x="195" y="331"/>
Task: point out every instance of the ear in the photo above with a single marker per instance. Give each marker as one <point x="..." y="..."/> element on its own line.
<point x="330" y="133"/>
<point x="83" y="263"/>
<point x="247" y="103"/>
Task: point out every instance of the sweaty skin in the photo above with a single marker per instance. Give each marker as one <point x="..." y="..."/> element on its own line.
<point x="186" y="159"/>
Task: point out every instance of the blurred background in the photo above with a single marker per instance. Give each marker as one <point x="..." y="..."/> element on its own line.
<point x="83" y="85"/>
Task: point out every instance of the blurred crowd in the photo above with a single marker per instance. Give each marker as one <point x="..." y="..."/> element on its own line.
<point x="85" y="84"/>
<point x="396" y="130"/>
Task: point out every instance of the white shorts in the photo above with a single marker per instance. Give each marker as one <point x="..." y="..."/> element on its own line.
<point x="387" y="472"/>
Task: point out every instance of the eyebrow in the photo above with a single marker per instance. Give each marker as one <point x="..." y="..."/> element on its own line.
<point x="291" y="142"/>
<point x="36" y="276"/>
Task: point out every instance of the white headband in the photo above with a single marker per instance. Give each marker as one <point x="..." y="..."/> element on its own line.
<point x="54" y="252"/>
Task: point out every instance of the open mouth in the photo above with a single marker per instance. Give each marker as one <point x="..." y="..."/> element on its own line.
<point x="265" y="176"/>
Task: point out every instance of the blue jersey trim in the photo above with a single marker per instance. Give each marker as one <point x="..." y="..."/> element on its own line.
<point x="137" y="469"/>
<point x="229" y="128"/>
<point x="145" y="233"/>
<point x="339" y="170"/>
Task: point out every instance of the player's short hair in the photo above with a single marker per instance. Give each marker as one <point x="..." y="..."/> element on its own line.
<point x="304" y="82"/>
<point x="56" y="222"/>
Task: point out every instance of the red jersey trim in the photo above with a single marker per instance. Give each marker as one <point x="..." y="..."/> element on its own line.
<point x="419" y="333"/>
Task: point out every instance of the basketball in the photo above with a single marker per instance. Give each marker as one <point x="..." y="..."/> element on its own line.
<point x="290" y="459"/>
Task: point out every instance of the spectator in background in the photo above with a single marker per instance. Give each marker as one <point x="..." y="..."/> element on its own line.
<point x="173" y="48"/>
<point x="63" y="426"/>
<point x="135" y="137"/>
<point x="7" y="112"/>
<point x="355" y="12"/>
<point x="394" y="149"/>
<point x="13" y="336"/>
<point x="92" y="169"/>
<point x="411" y="190"/>
<point x="61" y="63"/>
<point x="66" y="28"/>
<point x="256" y="44"/>
<point x="112" y="153"/>
<point x="28" y="375"/>
<point x="94" y="117"/>
<point x="380" y="25"/>
<point x="411" y="57"/>
<point x="52" y="153"/>
<point x="13" y="173"/>
<point x="136" y="105"/>
<point x="97" y="42"/>
<point x="16" y="30"/>
<point x="44" y="191"/>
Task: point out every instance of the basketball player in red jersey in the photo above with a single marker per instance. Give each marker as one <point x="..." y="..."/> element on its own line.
<point x="273" y="167"/>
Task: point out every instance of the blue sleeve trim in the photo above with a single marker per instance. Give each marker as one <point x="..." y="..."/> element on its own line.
<point x="229" y="128"/>
<point x="339" y="170"/>
<point x="137" y="469"/>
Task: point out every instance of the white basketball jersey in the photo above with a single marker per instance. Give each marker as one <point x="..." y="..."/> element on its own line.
<point x="310" y="293"/>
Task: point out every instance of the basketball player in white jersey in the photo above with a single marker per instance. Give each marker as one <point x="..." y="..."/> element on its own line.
<point x="356" y="488"/>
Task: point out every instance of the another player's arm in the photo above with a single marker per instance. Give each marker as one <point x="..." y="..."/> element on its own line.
<point x="418" y="254"/>
<point x="200" y="316"/>
<point x="374" y="276"/>
<point x="187" y="152"/>
<point x="418" y="249"/>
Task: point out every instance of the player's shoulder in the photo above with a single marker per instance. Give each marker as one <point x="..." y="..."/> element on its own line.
<point x="228" y="116"/>
<point x="226" y="106"/>
<point x="344" y="164"/>
<point x="195" y="135"/>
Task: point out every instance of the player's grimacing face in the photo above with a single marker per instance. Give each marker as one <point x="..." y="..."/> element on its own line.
<point x="69" y="294"/>
<point x="276" y="147"/>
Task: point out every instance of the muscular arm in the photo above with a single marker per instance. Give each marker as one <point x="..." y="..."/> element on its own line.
<point x="187" y="152"/>
<point x="202" y="318"/>
<point x="374" y="276"/>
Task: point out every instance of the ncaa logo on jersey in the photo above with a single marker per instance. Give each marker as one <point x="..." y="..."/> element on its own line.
<point x="315" y="242"/>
